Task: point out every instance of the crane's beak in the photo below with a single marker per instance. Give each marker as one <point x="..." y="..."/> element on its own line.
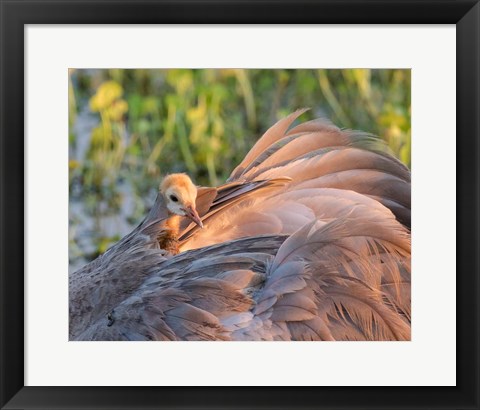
<point x="192" y="213"/>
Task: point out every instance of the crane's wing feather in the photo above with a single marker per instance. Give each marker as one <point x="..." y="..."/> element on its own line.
<point x="273" y="134"/>
<point x="327" y="281"/>
<point x="175" y="302"/>
<point x="226" y="197"/>
<point x="319" y="154"/>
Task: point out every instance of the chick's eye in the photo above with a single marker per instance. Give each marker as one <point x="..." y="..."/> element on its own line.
<point x="173" y="198"/>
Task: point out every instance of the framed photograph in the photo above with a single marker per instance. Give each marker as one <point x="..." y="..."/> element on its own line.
<point x="291" y="187"/>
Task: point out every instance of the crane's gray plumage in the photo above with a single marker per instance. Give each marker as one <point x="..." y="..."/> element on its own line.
<point x="308" y="240"/>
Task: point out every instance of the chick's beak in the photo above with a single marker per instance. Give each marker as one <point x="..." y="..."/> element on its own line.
<point x="192" y="213"/>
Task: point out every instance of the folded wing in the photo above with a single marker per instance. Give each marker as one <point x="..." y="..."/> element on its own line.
<point x="347" y="279"/>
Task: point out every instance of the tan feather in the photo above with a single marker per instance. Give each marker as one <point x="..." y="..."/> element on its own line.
<point x="272" y="135"/>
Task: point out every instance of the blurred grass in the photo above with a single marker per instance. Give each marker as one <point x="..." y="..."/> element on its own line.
<point x="129" y="127"/>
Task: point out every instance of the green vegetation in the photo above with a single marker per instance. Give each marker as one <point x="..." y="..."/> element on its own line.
<point x="129" y="127"/>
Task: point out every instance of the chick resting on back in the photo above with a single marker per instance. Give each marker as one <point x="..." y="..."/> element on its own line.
<point x="179" y="193"/>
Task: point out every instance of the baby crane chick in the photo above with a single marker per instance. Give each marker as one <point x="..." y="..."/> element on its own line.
<point x="180" y="195"/>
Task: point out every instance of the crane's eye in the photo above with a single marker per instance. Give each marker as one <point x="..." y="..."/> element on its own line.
<point x="173" y="198"/>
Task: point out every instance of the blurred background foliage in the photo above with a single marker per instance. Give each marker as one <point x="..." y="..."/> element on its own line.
<point x="130" y="127"/>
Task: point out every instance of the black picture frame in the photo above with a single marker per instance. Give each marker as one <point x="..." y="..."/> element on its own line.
<point x="16" y="14"/>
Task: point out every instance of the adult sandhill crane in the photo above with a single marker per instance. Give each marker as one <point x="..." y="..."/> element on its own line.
<point x="308" y="240"/>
